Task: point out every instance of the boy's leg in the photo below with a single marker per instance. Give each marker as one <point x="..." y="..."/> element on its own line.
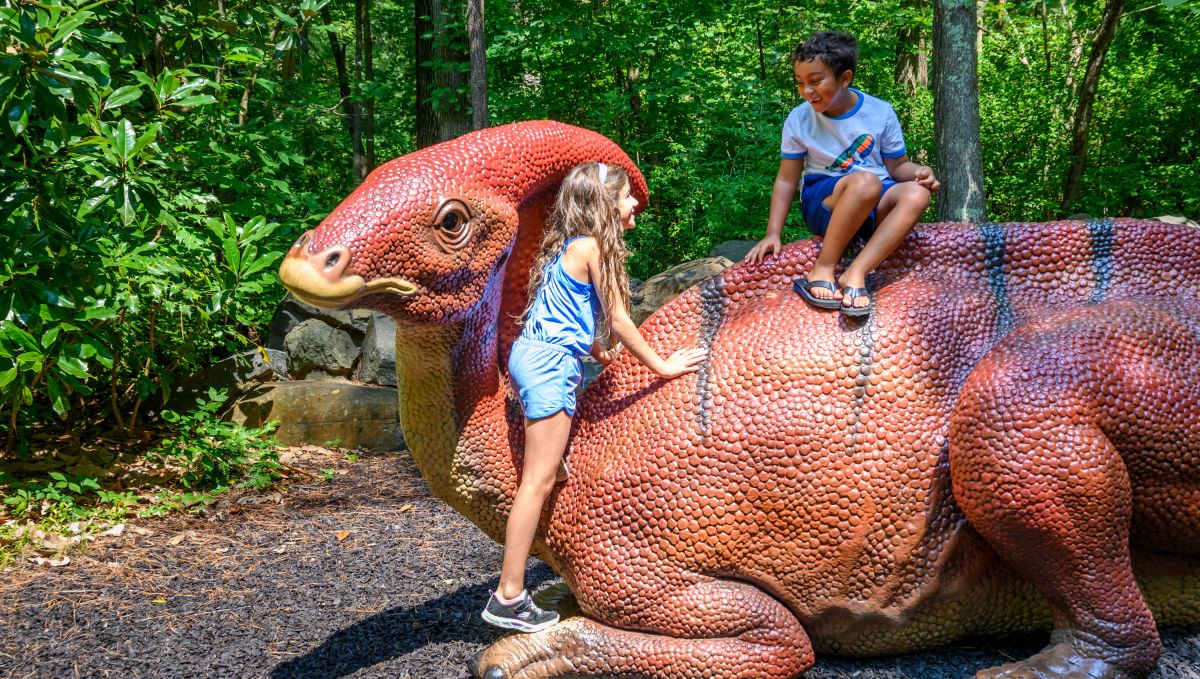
<point x="853" y="198"/>
<point x="897" y="214"/>
<point x="545" y="442"/>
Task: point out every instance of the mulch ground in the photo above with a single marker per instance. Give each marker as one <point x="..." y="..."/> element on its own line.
<point x="367" y="575"/>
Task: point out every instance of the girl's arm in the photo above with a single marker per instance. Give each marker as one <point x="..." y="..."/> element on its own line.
<point x="601" y="353"/>
<point x="679" y="363"/>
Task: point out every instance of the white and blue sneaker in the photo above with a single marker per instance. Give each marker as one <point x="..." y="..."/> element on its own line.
<point x="522" y="615"/>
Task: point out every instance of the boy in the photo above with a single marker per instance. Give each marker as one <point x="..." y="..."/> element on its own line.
<point x="848" y="148"/>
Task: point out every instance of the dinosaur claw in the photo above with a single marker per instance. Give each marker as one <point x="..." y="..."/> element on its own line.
<point x="1060" y="661"/>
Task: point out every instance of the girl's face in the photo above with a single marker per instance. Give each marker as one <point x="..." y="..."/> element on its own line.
<point x="625" y="205"/>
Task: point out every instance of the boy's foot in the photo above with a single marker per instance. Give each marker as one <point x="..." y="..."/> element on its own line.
<point x="851" y="305"/>
<point x="522" y="615"/>
<point x="805" y="288"/>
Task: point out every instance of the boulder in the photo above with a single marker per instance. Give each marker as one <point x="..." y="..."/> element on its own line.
<point x="291" y="313"/>
<point x="356" y="416"/>
<point x="235" y="374"/>
<point x="733" y="249"/>
<point x="317" y="350"/>
<point x="657" y="290"/>
<point x="378" y="363"/>
<point x="1176" y="219"/>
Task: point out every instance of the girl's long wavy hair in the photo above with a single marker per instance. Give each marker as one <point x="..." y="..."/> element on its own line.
<point x="588" y="207"/>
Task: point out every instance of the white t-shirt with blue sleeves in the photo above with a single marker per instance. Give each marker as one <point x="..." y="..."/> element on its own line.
<point x="858" y="139"/>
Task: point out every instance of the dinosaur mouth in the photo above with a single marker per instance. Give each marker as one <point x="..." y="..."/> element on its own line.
<point x="341" y="299"/>
<point x="314" y="288"/>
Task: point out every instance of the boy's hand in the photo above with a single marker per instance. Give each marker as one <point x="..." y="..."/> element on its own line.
<point x="924" y="176"/>
<point x="769" y="245"/>
<point x="681" y="362"/>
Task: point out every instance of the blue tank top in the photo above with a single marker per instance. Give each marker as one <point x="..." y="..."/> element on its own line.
<point x="564" y="313"/>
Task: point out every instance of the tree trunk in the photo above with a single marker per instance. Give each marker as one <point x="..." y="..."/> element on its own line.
<point x="956" y="112"/>
<point x="368" y="131"/>
<point x="359" y="162"/>
<point x="442" y="107"/>
<point x="1087" y="96"/>
<point x="912" y="64"/>
<point x="343" y="77"/>
<point x="475" y="36"/>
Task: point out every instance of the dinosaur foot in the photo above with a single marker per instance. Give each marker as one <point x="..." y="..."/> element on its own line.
<point x="1059" y="661"/>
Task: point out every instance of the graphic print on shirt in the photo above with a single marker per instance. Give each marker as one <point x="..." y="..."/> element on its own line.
<point x="854" y="154"/>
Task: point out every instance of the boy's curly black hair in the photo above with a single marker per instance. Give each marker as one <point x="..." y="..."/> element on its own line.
<point x="838" y="49"/>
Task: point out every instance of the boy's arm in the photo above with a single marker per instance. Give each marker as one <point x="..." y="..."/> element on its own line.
<point x="791" y="170"/>
<point x="904" y="170"/>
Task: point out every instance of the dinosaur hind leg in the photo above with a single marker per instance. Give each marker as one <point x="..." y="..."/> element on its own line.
<point x="714" y="629"/>
<point x="1052" y="496"/>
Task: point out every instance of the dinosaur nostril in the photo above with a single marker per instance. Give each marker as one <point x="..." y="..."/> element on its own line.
<point x="333" y="260"/>
<point x="301" y="241"/>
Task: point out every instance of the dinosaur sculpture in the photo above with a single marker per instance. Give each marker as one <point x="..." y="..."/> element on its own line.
<point x="1001" y="447"/>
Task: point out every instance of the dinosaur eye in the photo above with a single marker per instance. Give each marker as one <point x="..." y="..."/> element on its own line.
<point x="452" y="226"/>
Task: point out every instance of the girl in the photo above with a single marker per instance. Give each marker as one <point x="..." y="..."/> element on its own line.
<point x="579" y="275"/>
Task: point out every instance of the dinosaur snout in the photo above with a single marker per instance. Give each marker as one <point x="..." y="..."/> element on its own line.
<point x="319" y="278"/>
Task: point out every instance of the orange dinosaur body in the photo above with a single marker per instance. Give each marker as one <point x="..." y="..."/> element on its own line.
<point x="976" y="457"/>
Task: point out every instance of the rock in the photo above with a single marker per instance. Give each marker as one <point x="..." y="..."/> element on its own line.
<point x="378" y="363"/>
<point x="291" y="313"/>
<point x="235" y="374"/>
<point x="591" y="370"/>
<point x="1176" y="219"/>
<point x="733" y="249"/>
<point x="317" y="346"/>
<point x="657" y="290"/>
<point x="356" y="416"/>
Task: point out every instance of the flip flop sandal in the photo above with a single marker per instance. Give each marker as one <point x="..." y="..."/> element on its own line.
<point x="851" y="294"/>
<point x="804" y="288"/>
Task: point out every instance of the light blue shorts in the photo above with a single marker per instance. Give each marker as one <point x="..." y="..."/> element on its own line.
<point x="546" y="377"/>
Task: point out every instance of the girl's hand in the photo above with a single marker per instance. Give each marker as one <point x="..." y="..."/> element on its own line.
<point x="924" y="176"/>
<point x="681" y="362"/>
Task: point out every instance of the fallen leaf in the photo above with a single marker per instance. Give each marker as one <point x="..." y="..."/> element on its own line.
<point x="113" y="532"/>
<point x="406" y="508"/>
<point x="279" y="550"/>
<point x="448" y="581"/>
<point x="139" y="530"/>
<point x="43" y="561"/>
<point x="336" y="391"/>
<point x="341" y="535"/>
<point x="177" y="539"/>
<point x="159" y="601"/>
<point x="220" y="550"/>
<point x="55" y="542"/>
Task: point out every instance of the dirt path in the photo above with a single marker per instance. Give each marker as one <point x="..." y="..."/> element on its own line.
<point x="260" y="588"/>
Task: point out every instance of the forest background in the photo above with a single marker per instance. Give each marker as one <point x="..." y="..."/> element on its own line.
<point x="159" y="157"/>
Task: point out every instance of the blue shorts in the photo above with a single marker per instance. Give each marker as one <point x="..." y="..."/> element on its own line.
<point x="818" y="187"/>
<point x="546" y="377"/>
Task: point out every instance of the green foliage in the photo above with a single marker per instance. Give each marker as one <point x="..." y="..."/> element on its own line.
<point x="135" y="201"/>
<point x="213" y="453"/>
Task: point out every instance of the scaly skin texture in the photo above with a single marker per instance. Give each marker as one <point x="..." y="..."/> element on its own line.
<point x="1006" y="444"/>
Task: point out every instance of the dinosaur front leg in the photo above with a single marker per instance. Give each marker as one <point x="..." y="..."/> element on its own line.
<point x="1052" y="495"/>
<point x="709" y="630"/>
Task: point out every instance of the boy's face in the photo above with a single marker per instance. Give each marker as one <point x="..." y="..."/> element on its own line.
<point x="824" y="91"/>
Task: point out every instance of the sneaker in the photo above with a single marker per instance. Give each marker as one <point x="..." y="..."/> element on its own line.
<point x="524" y="615"/>
<point x="564" y="471"/>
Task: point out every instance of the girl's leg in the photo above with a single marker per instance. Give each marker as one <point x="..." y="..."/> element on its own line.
<point x="853" y="198"/>
<point x="897" y="214"/>
<point x="545" y="442"/>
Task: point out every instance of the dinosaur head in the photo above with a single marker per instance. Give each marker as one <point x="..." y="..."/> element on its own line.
<point x="412" y="241"/>
<point x="426" y="234"/>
